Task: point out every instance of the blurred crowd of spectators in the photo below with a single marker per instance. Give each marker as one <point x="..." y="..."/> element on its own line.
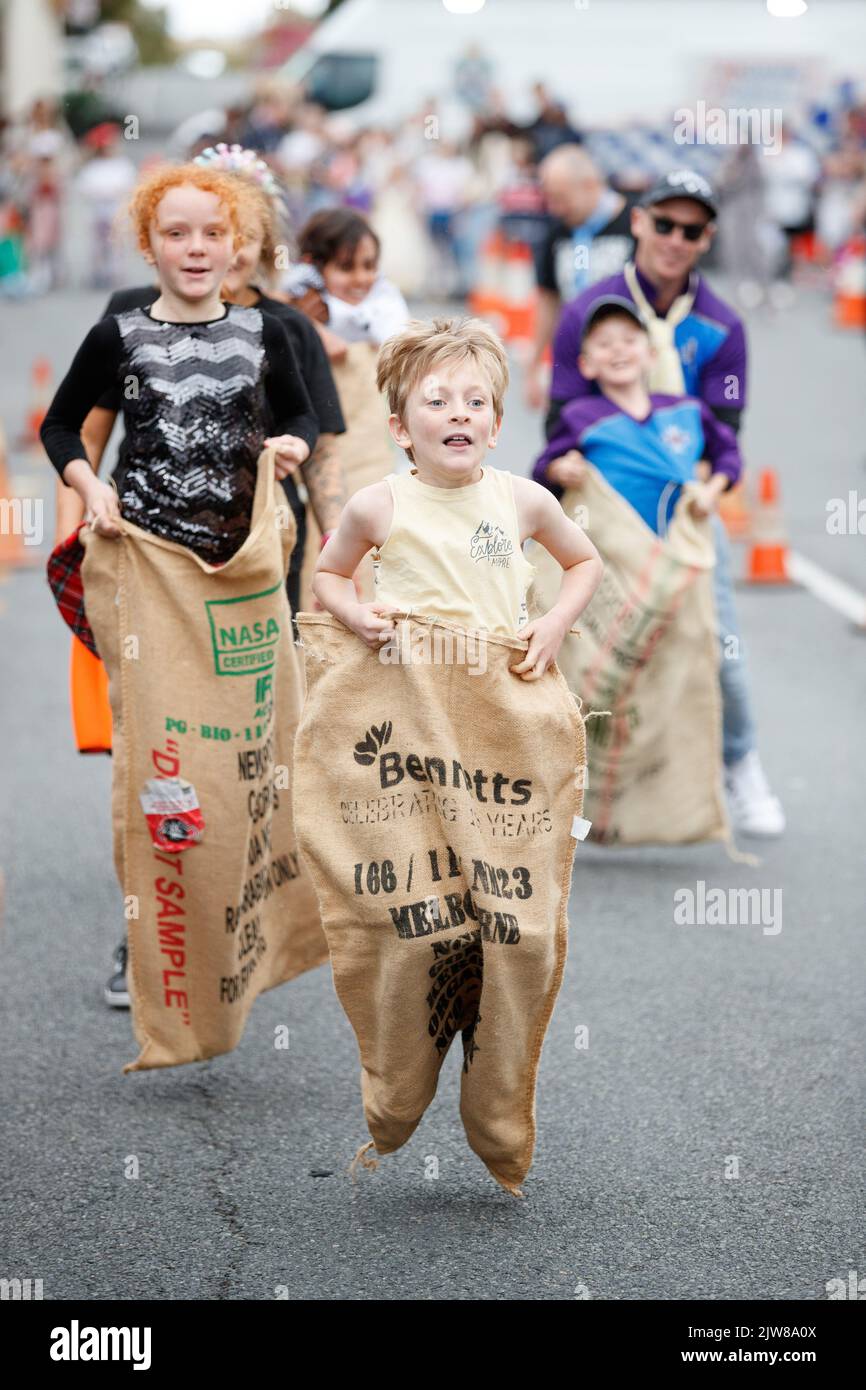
<point x="433" y="199"/>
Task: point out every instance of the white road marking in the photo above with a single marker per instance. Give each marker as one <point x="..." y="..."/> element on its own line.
<point x="830" y="590"/>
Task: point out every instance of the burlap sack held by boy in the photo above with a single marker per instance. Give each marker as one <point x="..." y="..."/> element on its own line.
<point x="205" y="694"/>
<point x="436" y="815"/>
<point x="648" y="656"/>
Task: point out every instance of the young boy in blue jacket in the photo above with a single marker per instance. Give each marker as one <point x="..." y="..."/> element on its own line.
<point x="646" y="446"/>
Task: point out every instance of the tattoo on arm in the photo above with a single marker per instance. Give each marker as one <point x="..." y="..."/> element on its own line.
<point x="326" y="482"/>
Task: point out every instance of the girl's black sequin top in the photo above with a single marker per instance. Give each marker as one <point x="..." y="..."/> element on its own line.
<point x="198" y="401"/>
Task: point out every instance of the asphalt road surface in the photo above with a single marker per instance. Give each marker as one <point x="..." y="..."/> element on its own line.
<point x="706" y="1145"/>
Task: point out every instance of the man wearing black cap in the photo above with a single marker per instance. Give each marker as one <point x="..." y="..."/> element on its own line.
<point x="699" y="341"/>
<point x="699" y="351"/>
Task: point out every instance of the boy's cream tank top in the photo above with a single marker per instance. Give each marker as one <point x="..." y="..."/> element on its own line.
<point x="455" y="553"/>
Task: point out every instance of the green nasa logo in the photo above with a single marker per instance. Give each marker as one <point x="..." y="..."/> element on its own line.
<point x="244" y="633"/>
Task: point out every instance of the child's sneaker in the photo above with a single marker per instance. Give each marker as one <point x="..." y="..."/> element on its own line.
<point x="116" y="991"/>
<point x="754" y="809"/>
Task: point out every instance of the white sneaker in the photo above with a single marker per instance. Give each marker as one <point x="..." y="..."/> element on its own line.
<point x="753" y="807"/>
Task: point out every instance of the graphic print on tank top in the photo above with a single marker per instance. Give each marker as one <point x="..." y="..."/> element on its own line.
<point x="490" y="543"/>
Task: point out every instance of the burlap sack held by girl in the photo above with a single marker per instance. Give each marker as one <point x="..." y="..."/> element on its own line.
<point x="435" y="795"/>
<point x="205" y="691"/>
<point x="648" y="657"/>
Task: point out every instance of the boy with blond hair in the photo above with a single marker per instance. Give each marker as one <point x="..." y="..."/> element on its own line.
<point x="448" y="536"/>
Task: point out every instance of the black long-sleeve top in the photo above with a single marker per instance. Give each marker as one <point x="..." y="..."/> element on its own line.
<point x="315" y="370"/>
<point x="198" y="401"/>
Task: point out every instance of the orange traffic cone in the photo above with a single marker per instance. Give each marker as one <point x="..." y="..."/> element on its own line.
<point x="486" y="298"/>
<point x="40" y="395"/>
<point x="519" y="293"/>
<point x="735" y="513"/>
<point x="88" y="690"/>
<point x="849" y="291"/>
<point x="768" y="557"/>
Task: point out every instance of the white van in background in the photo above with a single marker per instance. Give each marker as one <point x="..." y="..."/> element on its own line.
<point x="611" y="62"/>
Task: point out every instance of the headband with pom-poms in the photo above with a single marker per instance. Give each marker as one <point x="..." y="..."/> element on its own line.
<point x="234" y="159"/>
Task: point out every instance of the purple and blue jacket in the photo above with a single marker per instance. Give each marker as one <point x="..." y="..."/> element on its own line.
<point x="646" y="461"/>
<point x="710" y="340"/>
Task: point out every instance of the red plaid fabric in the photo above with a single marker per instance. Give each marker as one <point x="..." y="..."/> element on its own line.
<point x="64" y="578"/>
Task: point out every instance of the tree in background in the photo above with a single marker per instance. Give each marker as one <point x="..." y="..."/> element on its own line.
<point x="149" y="29"/>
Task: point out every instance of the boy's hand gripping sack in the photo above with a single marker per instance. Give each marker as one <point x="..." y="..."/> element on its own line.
<point x="648" y="655"/>
<point x="205" y="688"/>
<point x="435" y="794"/>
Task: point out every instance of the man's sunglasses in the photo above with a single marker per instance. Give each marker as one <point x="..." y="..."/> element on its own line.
<point x="692" y="231"/>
